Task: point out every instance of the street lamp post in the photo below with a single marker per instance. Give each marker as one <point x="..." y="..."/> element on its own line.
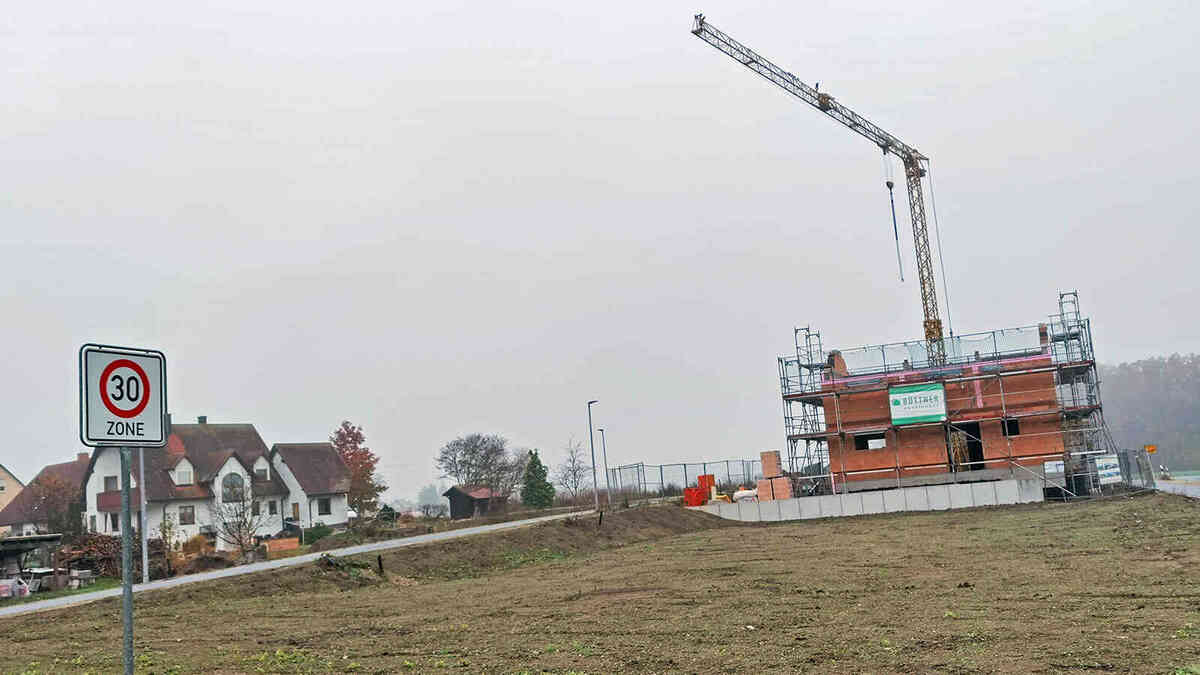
<point x="592" y="443"/>
<point x="607" y="478"/>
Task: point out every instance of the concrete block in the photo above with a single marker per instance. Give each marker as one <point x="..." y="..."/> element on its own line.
<point x="938" y="496"/>
<point x="1030" y="491"/>
<point x="916" y="498"/>
<point x="872" y="502"/>
<point x="829" y="505"/>
<point x="768" y="512"/>
<point x="1006" y="492"/>
<point x="714" y="509"/>
<point x="729" y="511"/>
<point x="893" y="501"/>
<point x="789" y="509"/>
<point x="852" y="504"/>
<point x="750" y="512"/>
<point x="960" y="496"/>
<point x="810" y="507"/>
<point x="984" y="494"/>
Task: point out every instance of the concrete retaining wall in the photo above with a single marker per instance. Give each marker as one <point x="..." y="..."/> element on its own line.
<point x="922" y="498"/>
<point x="1180" y="487"/>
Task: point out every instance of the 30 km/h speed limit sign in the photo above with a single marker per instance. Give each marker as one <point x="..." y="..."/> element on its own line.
<point x="124" y="396"/>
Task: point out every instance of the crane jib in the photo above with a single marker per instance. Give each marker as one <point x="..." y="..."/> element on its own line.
<point x="909" y="157"/>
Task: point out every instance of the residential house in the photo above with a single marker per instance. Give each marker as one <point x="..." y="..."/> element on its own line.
<point x="317" y="480"/>
<point x="469" y="501"/>
<point x="10" y="486"/>
<point x="19" y="513"/>
<point x="200" y="474"/>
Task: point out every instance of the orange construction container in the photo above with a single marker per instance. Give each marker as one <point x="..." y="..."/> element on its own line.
<point x="706" y="481"/>
<point x="695" y="496"/>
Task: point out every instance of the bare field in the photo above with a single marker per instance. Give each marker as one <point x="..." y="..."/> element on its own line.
<point x="1110" y="585"/>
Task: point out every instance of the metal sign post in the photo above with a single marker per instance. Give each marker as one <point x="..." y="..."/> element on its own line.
<point x="122" y="405"/>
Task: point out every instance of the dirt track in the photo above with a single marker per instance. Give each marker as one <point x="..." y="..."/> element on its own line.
<point x="1109" y="585"/>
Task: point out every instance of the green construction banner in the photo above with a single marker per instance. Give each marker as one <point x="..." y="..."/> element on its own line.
<point x="915" y="403"/>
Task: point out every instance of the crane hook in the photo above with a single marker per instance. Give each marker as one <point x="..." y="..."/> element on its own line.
<point x="895" y="227"/>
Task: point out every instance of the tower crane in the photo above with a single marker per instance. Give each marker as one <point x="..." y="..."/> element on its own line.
<point x="909" y="157"/>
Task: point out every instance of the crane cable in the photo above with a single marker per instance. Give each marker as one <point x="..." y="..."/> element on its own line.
<point x="887" y="180"/>
<point x="937" y="231"/>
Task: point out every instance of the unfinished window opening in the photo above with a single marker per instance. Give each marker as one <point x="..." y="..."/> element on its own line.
<point x="1012" y="427"/>
<point x="965" y="447"/>
<point x="870" y="441"/>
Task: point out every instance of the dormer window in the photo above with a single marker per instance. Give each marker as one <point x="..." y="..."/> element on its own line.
<point x="183" y="473"/>
<point x="262" y="470"/>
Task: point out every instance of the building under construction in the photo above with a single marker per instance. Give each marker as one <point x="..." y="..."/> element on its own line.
<point x="1016" y="402"/>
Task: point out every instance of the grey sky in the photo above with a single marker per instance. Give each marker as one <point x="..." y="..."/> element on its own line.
<point x="475" y="218"/>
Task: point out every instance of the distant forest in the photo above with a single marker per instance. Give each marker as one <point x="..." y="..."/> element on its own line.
<point x="1156" y="401"/>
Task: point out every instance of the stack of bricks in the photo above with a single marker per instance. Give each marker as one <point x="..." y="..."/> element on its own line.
<point x="773" y="485"/>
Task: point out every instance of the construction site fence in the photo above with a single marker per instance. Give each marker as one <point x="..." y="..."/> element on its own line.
<point x="668" y="480"/>
<point x="1089" y="474"/>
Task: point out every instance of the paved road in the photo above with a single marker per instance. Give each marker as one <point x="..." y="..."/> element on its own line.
<point x="69" y="600"/>
<point x="1187" y="488"/>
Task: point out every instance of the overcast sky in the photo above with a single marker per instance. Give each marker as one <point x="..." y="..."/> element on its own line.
<point x="440" y="218"/>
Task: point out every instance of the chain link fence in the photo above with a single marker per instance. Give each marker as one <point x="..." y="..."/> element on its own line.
<point x="644" y="481"/>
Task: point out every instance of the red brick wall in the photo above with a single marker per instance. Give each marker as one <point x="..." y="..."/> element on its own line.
<point x="914" y="447"/>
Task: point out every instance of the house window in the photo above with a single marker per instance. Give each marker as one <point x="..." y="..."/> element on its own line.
<point x="1012" y="427"/>
<point x="187" y="515"/>
<point x="254" y="508"/>
<point x="272" y="508"/>
<point x="92" y="524"/>
<point x="114" y="522"/>
<point x="323" y="507"/>
<point x="260" y="474"/>
<point x="233" y="488"/>
<point x="183" y="477"/>
<point x="110" y="484"/>
<point x="2" y="485"/>
<point x="870" y="441"/>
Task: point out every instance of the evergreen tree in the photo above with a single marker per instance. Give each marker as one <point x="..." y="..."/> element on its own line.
<point x="537" y="491"/>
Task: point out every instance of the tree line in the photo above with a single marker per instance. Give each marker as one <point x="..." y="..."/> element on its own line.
<point x="1155" y="401"/>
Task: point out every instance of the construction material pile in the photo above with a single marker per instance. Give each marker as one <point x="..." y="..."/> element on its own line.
<point x="774" y="484"/>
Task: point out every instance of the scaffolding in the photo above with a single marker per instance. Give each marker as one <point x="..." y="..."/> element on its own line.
<point x="812" y="390"/>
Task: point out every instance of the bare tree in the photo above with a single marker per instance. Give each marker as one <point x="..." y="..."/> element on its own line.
<point x="574" y="474"/>
<point x="236" y="515"/>
<point x="475" y="459"/>
<point x="432" y="511"/>
<point x="55" y="505"/>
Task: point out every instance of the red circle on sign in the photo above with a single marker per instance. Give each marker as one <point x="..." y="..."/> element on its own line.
<point x="136" y="410"/>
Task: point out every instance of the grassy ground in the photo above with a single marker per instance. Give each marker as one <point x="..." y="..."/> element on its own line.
<point x="1110" y="586"/>
<point x="101" y="583"/>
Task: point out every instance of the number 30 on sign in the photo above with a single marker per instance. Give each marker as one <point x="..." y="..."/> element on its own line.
<point x="123" y="397"/>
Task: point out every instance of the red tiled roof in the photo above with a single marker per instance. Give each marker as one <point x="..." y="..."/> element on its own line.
<point x="207" y="447"/>
<point x="317" y="467"/>
<point x="19" y="510"/>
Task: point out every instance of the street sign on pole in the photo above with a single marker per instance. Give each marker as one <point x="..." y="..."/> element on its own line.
<point x="123" y="397"/>
<point x="123" y="404"/>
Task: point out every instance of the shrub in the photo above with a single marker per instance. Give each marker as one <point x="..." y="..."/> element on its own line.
<point x="197" y="544"/>
<point x="317" y="532"/>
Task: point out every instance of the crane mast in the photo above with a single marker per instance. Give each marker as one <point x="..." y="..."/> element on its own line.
<point x="909" y="157"/>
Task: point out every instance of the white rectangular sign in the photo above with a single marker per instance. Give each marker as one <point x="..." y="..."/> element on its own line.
<point x="916" y="403"/>
<point x="123" y="396"/>
<point x="1108" y="469"/>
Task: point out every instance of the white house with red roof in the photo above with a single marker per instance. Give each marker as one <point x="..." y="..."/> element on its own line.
<point x="206" y="467"/>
